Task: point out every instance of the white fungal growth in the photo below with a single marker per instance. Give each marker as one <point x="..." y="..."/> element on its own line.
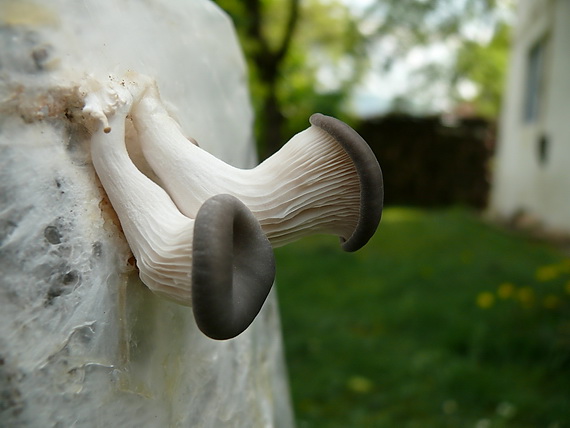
<point x="159" y="235"/>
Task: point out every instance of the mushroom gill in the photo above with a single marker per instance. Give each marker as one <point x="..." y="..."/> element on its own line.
<point x="324" y="180"/>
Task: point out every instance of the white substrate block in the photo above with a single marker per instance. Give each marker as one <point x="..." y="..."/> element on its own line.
<point x="82" y="341"/>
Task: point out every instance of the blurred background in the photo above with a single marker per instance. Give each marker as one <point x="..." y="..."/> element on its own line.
<point x="457" y="313"/>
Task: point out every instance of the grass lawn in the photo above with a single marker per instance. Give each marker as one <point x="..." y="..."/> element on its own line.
<point x="440" y="321"/>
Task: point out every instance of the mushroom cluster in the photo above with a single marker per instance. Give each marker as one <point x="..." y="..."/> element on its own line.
<point x="202" y="231"/>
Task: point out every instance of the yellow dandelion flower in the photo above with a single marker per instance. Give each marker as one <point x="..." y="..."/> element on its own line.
<point x="485" y="300"/>
<point x="506" y="290"/>
<point x="551" y="301"/>
<point x="360" y="384"/>
<point x="547" y="273"/>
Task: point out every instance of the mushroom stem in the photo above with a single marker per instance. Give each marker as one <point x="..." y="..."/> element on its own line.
<point x="324" y="180"/>
<point x="159" y="235"/>
<point x="233" y="264"/>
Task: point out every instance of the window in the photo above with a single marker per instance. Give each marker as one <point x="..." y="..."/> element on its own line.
<point x="534" y="78"/>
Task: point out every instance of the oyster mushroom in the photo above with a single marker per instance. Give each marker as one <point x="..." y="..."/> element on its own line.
<point x="218" y="261"/>
<point x="203" y="236"/>
<point x="324" y="180"/>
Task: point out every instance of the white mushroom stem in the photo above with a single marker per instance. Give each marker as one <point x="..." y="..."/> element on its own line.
<point x="159" y="235"/>
<point x="233" y="262"/>
<point x="310" y="186"/>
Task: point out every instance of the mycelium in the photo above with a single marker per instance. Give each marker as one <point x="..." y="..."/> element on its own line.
<point x="220" y="262"/>
<point x="324" y="180"/>
<point x="204" y="235"/>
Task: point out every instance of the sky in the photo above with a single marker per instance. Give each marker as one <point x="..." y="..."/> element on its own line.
<point x="379" y="87"/>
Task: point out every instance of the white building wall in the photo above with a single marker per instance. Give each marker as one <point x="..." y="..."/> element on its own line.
<point x="522" y="182"/>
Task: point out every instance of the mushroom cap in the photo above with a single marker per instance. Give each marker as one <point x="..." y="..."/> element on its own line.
<point x="369" y="174"/>
<point x="233" y="267"/>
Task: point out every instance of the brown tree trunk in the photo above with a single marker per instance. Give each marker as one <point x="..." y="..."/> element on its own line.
<point x="272" y="125"/>
<point x="268" y="63"/>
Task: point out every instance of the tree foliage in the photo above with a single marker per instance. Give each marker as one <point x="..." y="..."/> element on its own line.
<point x="293" y="49"/>
<point x="457" y="24"/>
<point x="307" y="56"/>
<point x="484" y="65"/>
<point x="419" y="22"/>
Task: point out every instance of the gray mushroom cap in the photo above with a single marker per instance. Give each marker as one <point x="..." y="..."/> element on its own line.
<point x="369" y="174"/>
<point x="233" y="267"/>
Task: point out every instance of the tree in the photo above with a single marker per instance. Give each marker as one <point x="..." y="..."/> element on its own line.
<point x="266" y="52"/>
<point x="410" y="23"/>
<point x="483" y="65"/>
<point x="307" y="56"/>
<point x="457" y="24"/>
<point x="289" y="46"/>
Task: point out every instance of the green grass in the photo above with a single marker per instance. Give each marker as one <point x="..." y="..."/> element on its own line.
<point x="440" y="321"/>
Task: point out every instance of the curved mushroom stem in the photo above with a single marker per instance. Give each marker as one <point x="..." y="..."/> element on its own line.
<point x="324" y="180"/>
<point x="222" y="259"/>
<point x="159" y="235"/>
